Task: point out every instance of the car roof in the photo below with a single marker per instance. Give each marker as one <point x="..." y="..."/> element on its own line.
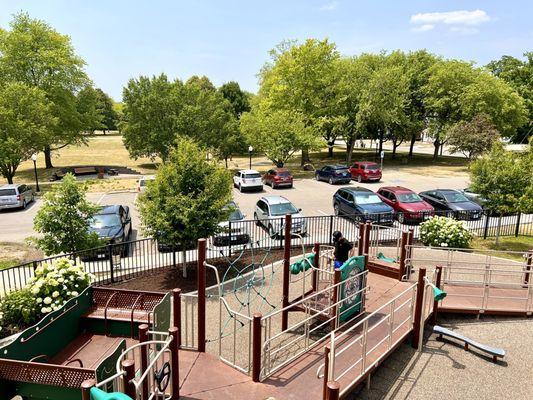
<point x="112" y="209"/>
<point x="357" y="189"/>
<point x="366" y="162"/>
<point x="336" y="166"/>
<point x="248" y="171"/>
<point x="281" y="169"/>
<point x="275" y="199"/>
<point x="10" y="186"/>
<point x="397" y="189"/>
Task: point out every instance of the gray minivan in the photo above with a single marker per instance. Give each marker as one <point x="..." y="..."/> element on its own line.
<point x="15" y="196"/>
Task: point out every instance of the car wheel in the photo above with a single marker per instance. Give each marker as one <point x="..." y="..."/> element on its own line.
<point x="125" y="248"/>
<point x="257" y="222"/>
<point x="24" y="204"/>
<point x="291" y="186"/>
<point x="330" y="181"/>
<point x="240" y="188"/>
<point x="336" y="209"/>
<point x="359" y="178"/>
<point x="271" y="232"/>
<point x="273" y="186"/>
<point x="401" y="218"/>
<point x="317" y="177"/>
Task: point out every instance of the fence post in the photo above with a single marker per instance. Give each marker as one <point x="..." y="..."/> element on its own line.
<point x="368" y="229"/>
<point x="286" y="272"/>
<point x="175" y="367"/>
<point x="335" y="299"/>
<point x="201" y="294"/>
<point x="256" y="347"/>
<point x="129" y="368"/>
<point x="487" y="220"/>
<point x="229" y="232"/>
<point x="316" y="265"/>
<point x="174" y="264"/>
<point x="330" y="240"/>
<point x="361" y="239"/>
<point x="517" y="228"/>
<point x="327" y="351"/>
<point x="333" y="390"/>
<point x="176" y="312"/>
<point x="110" y="259"/>
<point x="143" y="337"/>
<point x="403" y="255"/>
<point x="435" y="302"/>
<point x="529" y="262"/>
<point x="86" y="389"/>
<point x="420" y="287"/>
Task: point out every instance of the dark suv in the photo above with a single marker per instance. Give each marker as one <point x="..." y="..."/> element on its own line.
<point x="113" y="226"/>
<point x="362" y="205"/>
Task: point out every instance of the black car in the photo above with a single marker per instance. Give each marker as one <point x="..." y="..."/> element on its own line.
<point x="333" y="174"/>
<point x="113" y="226"/>
<point x="453" y="204"/>
<point x="362" y="204"/>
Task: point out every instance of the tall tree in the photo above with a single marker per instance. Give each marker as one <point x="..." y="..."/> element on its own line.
<point x="473" y="138"/>
<point x="87" y="104"/>
<point x="105" y="107"/>
<point x="25" y="123"/>
<point x="34" y="53"/>
<point x="239" y="99"/>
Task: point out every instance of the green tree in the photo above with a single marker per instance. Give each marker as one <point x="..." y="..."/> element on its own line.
<point x="473" y="138"/>
<point x="239" y="99"/>
<point x="87" y="104"/>
<point x="64" y="219"/>
<point x="105" y="107"/>
<point x="186" y="200"/>
<point x="25" y="122"/>
<point x="34" y="53"/>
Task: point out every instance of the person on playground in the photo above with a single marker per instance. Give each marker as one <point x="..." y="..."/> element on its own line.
<point x="342" y="248"/>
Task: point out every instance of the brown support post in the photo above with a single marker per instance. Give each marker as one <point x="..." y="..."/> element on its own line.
<point x="361" y="239"/>
<point x="436" y="303"/>
<point x="175" y="362"/>
<point x="201" y="294"/>
<point x="335" y="298"/>
<point x="143" y="337"/>
<point x="129" y="368"/>
<point x="333" y="392"/>
<point x="316" y="265"/>
<point x="176" y="312"/>
<point x="368" y="229"/>
<point x="86" y="389"/>
<point x="327" y="350"/>
<point x="420" y="287"/>
<point x="286" y="272"/>
<point x="403" y="255"/>
<point x="256" y="347"/>
<point x="529" y="262"/>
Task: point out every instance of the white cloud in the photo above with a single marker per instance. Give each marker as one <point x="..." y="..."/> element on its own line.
<point x="329" y="6"/>
<point x="461" y="21"/>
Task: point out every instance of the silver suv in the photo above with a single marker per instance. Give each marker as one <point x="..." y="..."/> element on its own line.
<point x="15" y="196"/>
<point x="270" y="212"/>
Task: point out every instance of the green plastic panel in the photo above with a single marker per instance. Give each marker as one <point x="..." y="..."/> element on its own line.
<point x="162" y="314"/>
<point x="353" y="303"/>
<point x="108" y="367"/>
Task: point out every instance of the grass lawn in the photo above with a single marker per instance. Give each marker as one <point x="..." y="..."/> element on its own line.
<point x="511" y="243"/>
<point x="16" y="253"/>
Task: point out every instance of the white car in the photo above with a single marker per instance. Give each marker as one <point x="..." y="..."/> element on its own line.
<point x="270" y="212"/>
<point x="247" y="179"/>
<point x="141" y="186"/>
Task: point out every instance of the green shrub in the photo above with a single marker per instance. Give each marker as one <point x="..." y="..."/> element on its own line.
<point x="17" y="309"/>
<point x="445" y="232"/>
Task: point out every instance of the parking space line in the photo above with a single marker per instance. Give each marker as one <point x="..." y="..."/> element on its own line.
<point x="101" y="198"/>
<point x="322" y="212"/>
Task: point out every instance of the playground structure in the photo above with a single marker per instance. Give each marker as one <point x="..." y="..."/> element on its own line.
<point x="295" y="327"/>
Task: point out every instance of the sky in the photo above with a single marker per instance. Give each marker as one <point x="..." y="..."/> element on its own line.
<point x="230" y="40"/>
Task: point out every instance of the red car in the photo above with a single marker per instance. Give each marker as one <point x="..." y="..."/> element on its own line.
<point x="365" y="171"/>
<point x="277" y="177"/>
<point x="409" y="206"/>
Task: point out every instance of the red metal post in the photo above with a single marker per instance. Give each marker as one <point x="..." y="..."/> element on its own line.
<point x="420" y="287"/>
<point x="201" y="294"/>
<point x="333" y="392"/>
<point x="368" y="229"/>
<point x="316" y="265"/>
<point x="327" y="350"/>
<point x="176" y="312"/>
<point x="129" y="368"/>
<point x="286" y="272"/>
<point x="403" y="255"/>
<point x="256" y="347"/>
<point x="175" y="362"/>
<point x="143" y="337"/>
<point x="86" y="389"/>
<point x="436" y="303"/>
<point x="529" y="262"/>
<point x="361" y="239"/>
<point x="335" y="298"/>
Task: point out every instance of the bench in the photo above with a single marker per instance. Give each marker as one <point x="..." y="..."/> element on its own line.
<point x="122" y="305"/>
<point x="493" y="351"/>
<point x="84" y="170"/>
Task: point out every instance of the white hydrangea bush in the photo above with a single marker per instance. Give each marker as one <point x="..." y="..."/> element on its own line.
<point x="445" y="232"/>
<point x="58" y="281"/>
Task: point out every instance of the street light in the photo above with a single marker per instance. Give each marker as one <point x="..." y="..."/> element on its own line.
<point x="34" y="159"/>
<point x="250" y="149"/>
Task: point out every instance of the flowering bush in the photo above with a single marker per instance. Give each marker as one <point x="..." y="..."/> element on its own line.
<point x="445" y="232"/>
<point x="17" y="309"/>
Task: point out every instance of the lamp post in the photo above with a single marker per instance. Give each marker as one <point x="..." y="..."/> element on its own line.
<point x="250" y="149"/>
<point x="34" y="159"/>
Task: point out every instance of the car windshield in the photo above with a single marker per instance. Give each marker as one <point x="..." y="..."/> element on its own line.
<point x="369" y="198"/>
<point x="409" y="198"/>
<point x="105" y="221"/>
<point x="251" y="176"/>
<point x="7" y="192"/>
<point x="283" y="208"/>
<point x="452" y="197"/>
<point x="284" y="173"/>
<point x="371" y="167"/>
<point x="341" y="170"/>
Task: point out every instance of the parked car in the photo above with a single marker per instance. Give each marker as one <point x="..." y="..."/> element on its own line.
<point x="453" y="203"/>
<point x="270" y="212"/>
<point x="409" y="206"/>
<point x="333" y="174"/>
<point x="470" y="195"/>
<point x="278" y="177"/>
<point x="237" y="233"/>
<point x="247" y="179"/>
<point x="141" y="185"/>
<point x="365" y="171"/>
<point x="113" y="226"/>
<point x="362" y="204"/>
<point x="15" y="196"/>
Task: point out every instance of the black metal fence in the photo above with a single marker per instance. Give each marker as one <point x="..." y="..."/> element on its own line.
<point x="122" y="261"/>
